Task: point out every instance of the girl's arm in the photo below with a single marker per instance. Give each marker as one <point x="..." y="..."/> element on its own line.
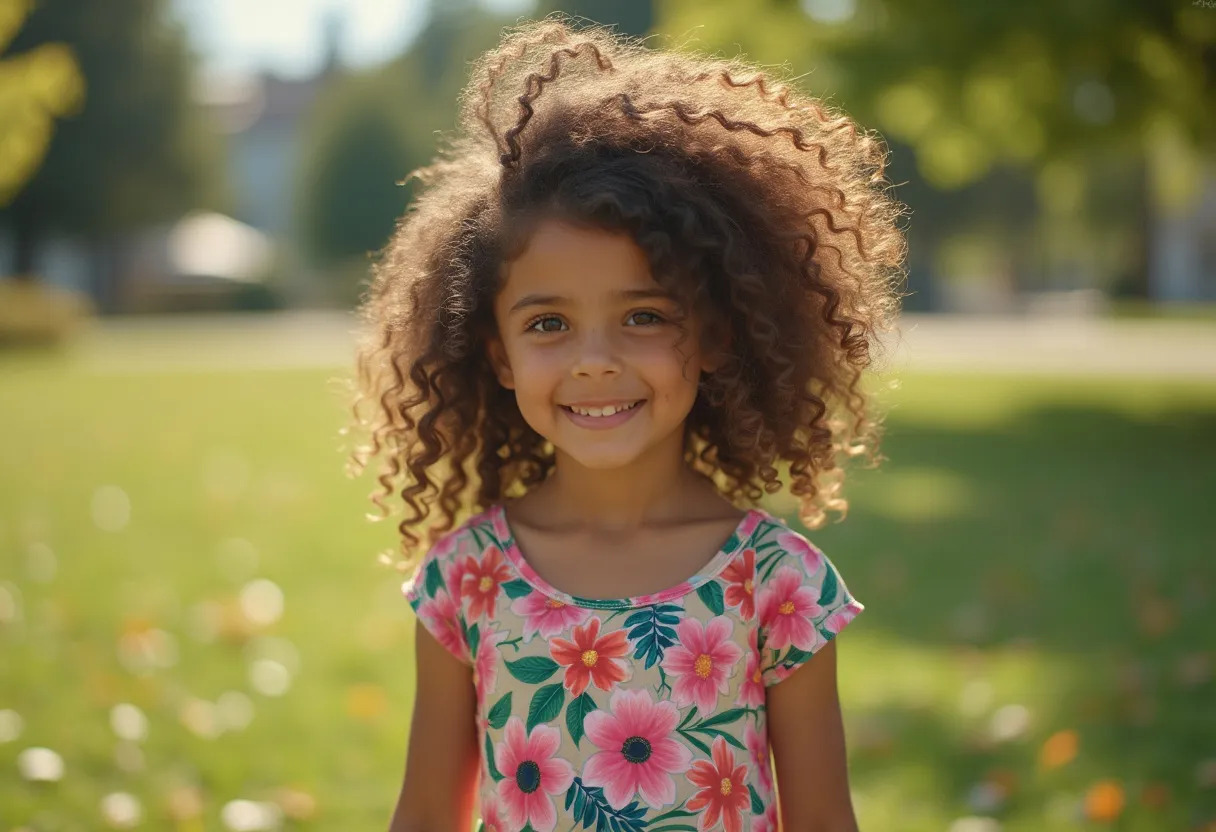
<point x="807" y="736"/>
<point x="440" y="786"/>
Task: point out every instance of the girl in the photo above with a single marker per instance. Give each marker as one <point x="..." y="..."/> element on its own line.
<point x="638" y="289"/>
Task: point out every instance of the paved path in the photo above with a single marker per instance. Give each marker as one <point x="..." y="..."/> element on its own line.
<point x="1153" y="348"/>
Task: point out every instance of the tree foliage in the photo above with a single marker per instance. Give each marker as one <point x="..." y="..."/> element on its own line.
<point x="970" y="86"/>
<point x="36" y="87"/>
<point x="138" y="150"/>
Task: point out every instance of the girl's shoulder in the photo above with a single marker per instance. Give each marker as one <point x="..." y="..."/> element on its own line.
<point x="441" y="567"/>
<point x="801" y="601"/>
<point x="451" y="571"/>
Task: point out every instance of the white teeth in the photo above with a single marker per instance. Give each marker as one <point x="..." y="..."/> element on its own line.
<point x="601" y="411"/>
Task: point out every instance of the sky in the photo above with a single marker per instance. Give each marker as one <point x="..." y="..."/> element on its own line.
<point x="287" y="36"/>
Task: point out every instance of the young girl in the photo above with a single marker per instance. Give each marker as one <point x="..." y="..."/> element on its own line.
<point x="637" y="292"/>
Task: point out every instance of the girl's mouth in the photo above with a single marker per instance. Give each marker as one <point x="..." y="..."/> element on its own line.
<point x="586" y="418"/>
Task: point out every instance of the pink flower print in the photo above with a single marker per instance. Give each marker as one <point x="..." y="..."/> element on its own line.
<point x="766" y="822"/>
<point x="491" y="820"/>
<point x="723" y="789"/>
<point x="751" y="689"/>
<point x="591" y="658"/>
<point x="796" y="544"/>
<point x="835" y="622"/>
<point x="787" y="609"/>
<point x="480" y="582"/>
<point x="485" y="664"/>
<point x="758" y="751"/>
<point x="639" y="753"/>
<point x="531" y="774"/>
<point x="740" y="579"/>
<point x="547" y="616"/>
<point x="443" y="616"/>
<point x="702" y="662"/>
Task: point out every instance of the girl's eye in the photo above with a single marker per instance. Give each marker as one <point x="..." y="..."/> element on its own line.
<point x="531" y="327"/>
<point x="658" y="319"/>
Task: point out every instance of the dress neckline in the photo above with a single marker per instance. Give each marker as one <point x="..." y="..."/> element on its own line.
<point x="739" y="536"/>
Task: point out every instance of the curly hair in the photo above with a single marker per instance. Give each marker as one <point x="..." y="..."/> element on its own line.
<point x="755" y="204"/>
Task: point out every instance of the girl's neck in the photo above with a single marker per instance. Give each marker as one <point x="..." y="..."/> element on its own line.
<point x="656" y="489"/>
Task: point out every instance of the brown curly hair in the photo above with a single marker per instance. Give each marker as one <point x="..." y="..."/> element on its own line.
<point x="755" y="204"/>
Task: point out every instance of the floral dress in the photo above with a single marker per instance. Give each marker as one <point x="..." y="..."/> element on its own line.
<point x="637" y="714"/>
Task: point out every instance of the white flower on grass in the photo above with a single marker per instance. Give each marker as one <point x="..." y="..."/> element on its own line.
<point x="198" y="715"/>
<point x="1009" y="723"/>
<point x="121" y="810"/>
<point x="262" y="602"/>
<point x="129" y="722"/>
<point x="40" y="765"/>
<point x="269" y="678"/>
<point x="251" y="815"/>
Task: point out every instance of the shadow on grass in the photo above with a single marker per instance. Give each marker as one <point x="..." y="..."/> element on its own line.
<point x="1057" y="559"/>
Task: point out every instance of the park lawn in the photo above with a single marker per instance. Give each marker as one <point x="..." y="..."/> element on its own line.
<point x="1034" y="557"/>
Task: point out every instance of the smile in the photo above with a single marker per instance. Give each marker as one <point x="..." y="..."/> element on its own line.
<point x="599" y="412"/>
<point x="598" y="418"/>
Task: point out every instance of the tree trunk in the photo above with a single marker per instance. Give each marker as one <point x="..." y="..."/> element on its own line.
<point x="106" y="274"/>
<point x="1139" y="283"/>
<point x="26" y="238"/>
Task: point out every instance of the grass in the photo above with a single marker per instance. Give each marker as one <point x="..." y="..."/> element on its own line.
<point x="1035" y="558"/>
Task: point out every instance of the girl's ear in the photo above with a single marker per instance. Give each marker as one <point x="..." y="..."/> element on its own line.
<point x="498" y="359"/>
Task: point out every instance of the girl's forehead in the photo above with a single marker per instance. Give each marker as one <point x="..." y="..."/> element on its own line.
<point x="578" y="264"/>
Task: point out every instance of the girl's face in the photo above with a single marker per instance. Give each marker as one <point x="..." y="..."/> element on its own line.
<point x="583" y="326"/>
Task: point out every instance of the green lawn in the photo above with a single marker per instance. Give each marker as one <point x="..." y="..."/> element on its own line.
<point x="1035" y="558"/>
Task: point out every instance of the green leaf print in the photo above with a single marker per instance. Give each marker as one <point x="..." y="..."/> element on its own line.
<point x="710" y="727"/>
<point x="723" y="718"/>
<point x="795" y="656"/>
<point x="769" y="563"/>
<point x="434" y="578"/>
<point x="532" y="670"/>
<point x="546" y="704"/>
<point x="576" y="712"/>
<point x="653" y="631"/>
<point x="500" y="712"/>
<point x="757" y="806"/>
<point x="711" y="594"/>
<point x="517" y="588"/>
<point x="593" y="811"/>
<point x="673" y="814"/>
<point x="473" y="637"/>
<point x="827" y="594"/>
<point x="495" y="774"/>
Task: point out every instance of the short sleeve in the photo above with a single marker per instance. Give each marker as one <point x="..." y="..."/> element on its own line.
<point x="801" y="604"/>
<point x="434" y="593"/>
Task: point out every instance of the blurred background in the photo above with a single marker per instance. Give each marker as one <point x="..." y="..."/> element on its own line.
<point x="195" y="630"/>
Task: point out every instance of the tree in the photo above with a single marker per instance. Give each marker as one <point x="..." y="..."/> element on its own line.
<point x="356" y="149"/>
<point x="35" y="89"/>
<point x="137" y="152"/>
<point x="630" y="17"/>
<point x="369" y="130"/>
<point x="1055" y="89"/>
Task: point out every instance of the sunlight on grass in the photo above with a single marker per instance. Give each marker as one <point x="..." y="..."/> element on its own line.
<point x="192" y="615"/>
<point x="923" y="494"/>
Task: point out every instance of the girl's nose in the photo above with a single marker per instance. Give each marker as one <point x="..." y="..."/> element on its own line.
<point x="596" y="355"/>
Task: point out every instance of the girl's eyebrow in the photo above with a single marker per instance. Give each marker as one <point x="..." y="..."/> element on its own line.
<point x="557" y="300"/>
